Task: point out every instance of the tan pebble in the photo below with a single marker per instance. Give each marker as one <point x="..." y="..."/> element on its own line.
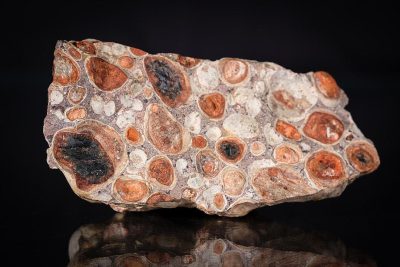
<point x="76" y="94"/>
<point x="76" y="113"/>
<point x="257" y="148"/>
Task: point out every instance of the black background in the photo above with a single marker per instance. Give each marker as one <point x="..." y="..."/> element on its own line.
<point x="354" y="42"/>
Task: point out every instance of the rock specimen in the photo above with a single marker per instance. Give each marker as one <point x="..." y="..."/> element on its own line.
<point x="138" y="131"/>
<point x="153" y="240"/>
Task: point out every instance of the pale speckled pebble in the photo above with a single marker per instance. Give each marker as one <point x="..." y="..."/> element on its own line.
<point x="213" y="133"/>
<point x="193" y="122"/>
<point x="138" y="158"/>
<point x="56" y="97"/>
<point x="241" y="125"/>
<point x="181" y="165"/>
<point x="137" y="105"/>
<point x="109" y="108"/>
<point x="124" y="118"/>
<point x="97" y="104"/>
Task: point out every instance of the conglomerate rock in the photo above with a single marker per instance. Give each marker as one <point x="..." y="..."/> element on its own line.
<point x="140" y="131"/>
<point x="154" y="240"/>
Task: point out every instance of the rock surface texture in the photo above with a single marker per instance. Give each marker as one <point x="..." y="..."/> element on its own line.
<point x="138" y="131"/>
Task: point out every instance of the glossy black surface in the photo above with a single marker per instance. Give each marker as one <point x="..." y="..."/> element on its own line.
<point x="155" y="239"/>
<point x="355" y="42"/>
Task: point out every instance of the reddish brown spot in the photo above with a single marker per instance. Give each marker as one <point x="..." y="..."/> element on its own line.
<point x="159" y="197"/>
<point x="86" y="47"/>
<point x="133" y="136"/>
<point x="168" y="79"/>
<point x="199" y="142"/>
<point x="287" y="154"/>
<point x="137" y="52"/>
<point x="219" y="201"/>
<point x="327" y="85"/>
<point x="161" y="170"/>
<point x="76" y="94"/>
<point x="131" y="190"/>
<point x="363" y="157"/>
<point x="324" y="127"/>
<point x="188" y="62"/>
<point x="287" y="130"/>
<point x="213" y="105"/>
<point x="207" y="163"/>
<point x="233" y="181"/>
<point x="76" y="113"/>
<point x="74" y="53"/>
<point x="234" y="71"/>
<point x="285" y="99"/>
<point x="326" y="166"/>
<point x="163" y="131"/>
<point x="65" y="70"/>
<point x="231" y="149"/>
<point x="104" y="75"/>
<point x="277" y="183"/>
<point x="125" y="62"/>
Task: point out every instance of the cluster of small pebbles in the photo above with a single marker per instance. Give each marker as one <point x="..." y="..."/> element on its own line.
<point x="138" y="131"/>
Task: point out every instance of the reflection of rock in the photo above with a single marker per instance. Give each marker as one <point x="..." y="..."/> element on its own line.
<point x="153" y="240"/>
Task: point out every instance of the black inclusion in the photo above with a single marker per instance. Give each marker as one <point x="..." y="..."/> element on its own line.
<point x="230" y="150"/>
<point x="87" y="158"/>
<point x="362" y="158"/>
<point x="167" y="80"/>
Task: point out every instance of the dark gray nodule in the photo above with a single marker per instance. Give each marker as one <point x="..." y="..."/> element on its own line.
<point x="89" y="160"/>
<point x="167" y="80"/>
<point x="230" y="150"/>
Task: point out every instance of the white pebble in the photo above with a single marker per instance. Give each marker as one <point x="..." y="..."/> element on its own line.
<point x="97" y="104"/>
<point x="56" y="97"/>
<point x="126" y="100"/>
<point x="137" y="75"/>
<point x="253" y="107"/>
<point x="124" y="118"/>
<point x="193" y="122"/>
<point x="109" y="108"/>
<point x="241" y="125"/>
<point x="138" y="158"/>
<point x="242" y="95"/>
<point x="207" y="75"/>
<point x="213" y="133"/>
<point x="305" y="147"/>
<point x="181" y="165"/>
<point x="58" y="113"/>
<point x="272" y="137"/>
<point x="259" y="88"/>
<point x="137" y="105"/>
<point x="195" y="181"/>
<point x="118" y="49"/>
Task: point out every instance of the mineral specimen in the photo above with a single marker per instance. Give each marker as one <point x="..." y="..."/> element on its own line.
<point x="154" y="240"/>
<point x="139" y="131"/>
